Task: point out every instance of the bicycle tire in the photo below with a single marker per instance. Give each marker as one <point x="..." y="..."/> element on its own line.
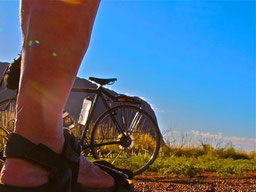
<point x="139" y="126"/>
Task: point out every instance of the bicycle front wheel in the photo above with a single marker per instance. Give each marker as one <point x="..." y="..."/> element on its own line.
<point x="135" y="146"/>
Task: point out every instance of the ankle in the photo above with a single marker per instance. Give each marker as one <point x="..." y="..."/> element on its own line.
<point x="55" y="143"/>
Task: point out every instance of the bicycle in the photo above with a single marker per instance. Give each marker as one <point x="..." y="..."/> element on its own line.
<point x="124" y="131"/>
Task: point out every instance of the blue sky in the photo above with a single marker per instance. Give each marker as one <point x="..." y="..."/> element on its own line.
<point x="194" y="61"/>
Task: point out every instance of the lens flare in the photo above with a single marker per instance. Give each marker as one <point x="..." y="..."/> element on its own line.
<point x="30" y="43"/>
<point x="37" y="42"/>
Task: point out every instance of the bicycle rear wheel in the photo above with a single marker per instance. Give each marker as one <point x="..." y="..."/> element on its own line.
<point x="137" y="148"/>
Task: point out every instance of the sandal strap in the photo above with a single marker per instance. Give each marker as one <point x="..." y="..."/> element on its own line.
<point x="122" y="181"/>
<point x="19" y="147"/>
<point x="127" y="173"/>
<point x="71" y="151"/>
<point x="59" y="165"/>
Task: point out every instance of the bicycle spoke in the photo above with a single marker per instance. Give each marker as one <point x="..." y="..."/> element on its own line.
<point x="113" y="161"/>
<point x="128" y="153"/>
<point x="135" y="121"/>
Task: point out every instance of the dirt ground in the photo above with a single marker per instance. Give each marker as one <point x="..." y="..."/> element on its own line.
<point x="204" y="183"/>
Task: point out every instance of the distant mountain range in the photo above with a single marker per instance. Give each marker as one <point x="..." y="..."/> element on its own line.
<point x="75" y="100"/>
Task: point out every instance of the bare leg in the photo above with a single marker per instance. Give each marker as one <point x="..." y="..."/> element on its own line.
<point x="55" y="35"/>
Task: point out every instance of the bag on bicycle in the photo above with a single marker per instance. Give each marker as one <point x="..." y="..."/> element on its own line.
<point x="12" y="74"/>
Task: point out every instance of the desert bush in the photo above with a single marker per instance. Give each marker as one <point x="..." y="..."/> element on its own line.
<point x="190" y="167"/>
<point x="235" y="167"/>
<point x="252" y="155"/>
<point x="187" y="152"/>
<point x="232" y="153"/>
<point x="177" y="166"/>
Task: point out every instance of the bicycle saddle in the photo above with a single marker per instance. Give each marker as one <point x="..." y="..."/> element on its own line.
<point x="103" y="81"/>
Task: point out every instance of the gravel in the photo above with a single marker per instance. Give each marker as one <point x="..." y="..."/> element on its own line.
<point x="206" y="183"/>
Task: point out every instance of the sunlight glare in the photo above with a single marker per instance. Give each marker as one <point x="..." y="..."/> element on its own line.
<point x="74" y="2"/>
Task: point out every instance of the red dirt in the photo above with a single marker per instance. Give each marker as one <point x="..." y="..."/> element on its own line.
<point x="204" y="183"/>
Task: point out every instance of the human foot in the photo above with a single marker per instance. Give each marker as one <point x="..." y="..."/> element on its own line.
<point x="18" y="172"/>
<point x="92" y="176"/>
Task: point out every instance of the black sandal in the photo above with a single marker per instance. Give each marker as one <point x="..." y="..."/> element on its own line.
<point x="63" y="167"/>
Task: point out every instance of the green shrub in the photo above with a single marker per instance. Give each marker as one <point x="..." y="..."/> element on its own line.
<point x="232" y="153"/>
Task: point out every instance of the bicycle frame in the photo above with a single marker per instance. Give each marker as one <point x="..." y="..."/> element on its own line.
<point x="123" y="117"/>
<point x="99" y="92"/>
